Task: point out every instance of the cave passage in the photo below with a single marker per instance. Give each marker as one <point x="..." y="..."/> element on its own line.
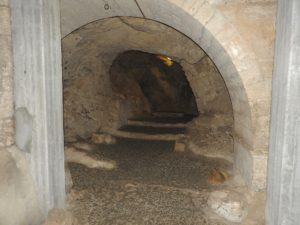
<point x="153" y="84"/>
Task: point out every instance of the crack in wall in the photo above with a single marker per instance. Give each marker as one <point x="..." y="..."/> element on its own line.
<point x="137" y="4"/>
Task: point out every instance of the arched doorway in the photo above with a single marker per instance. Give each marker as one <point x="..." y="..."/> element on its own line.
<point x="223" y="44"/>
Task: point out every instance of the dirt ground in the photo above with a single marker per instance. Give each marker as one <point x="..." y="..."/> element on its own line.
<point x="152" y="185"/>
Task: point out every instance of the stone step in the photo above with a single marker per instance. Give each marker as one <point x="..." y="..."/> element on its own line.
<point x="168" y="114"/>
<point x="163" y="119"/>
<point x="153" y="130"/>
<point x="155" y="124"/>
<point x="145" y="136"/>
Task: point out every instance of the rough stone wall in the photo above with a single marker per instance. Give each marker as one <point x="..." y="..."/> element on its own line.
<point x="89" y="104"/>
<point x="88" y="100"/>
<point x="89" y="52"/>
<point x="6" y="85"/>
<point x="210" y="90"/>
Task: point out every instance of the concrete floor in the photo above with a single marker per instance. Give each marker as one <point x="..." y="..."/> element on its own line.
<point x="152" y="185"/>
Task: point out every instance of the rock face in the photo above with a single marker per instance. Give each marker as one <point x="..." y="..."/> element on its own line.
<point x="230" y="205"/>
<point x="212" y="136"/>
<point x="209" y="88"/>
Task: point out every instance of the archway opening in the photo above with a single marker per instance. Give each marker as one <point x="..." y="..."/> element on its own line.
<point x="151" y="114"/>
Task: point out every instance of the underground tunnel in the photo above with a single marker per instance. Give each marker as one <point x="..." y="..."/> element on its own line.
<point x="148" y="124"/>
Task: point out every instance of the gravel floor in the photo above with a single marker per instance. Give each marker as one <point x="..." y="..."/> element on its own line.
<point x="152" y="185"/>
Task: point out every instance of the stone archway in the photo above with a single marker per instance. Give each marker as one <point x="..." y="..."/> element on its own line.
<point x="223" y="44"/>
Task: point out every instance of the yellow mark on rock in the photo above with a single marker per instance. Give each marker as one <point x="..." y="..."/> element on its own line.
<point x="167" y="60"/>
